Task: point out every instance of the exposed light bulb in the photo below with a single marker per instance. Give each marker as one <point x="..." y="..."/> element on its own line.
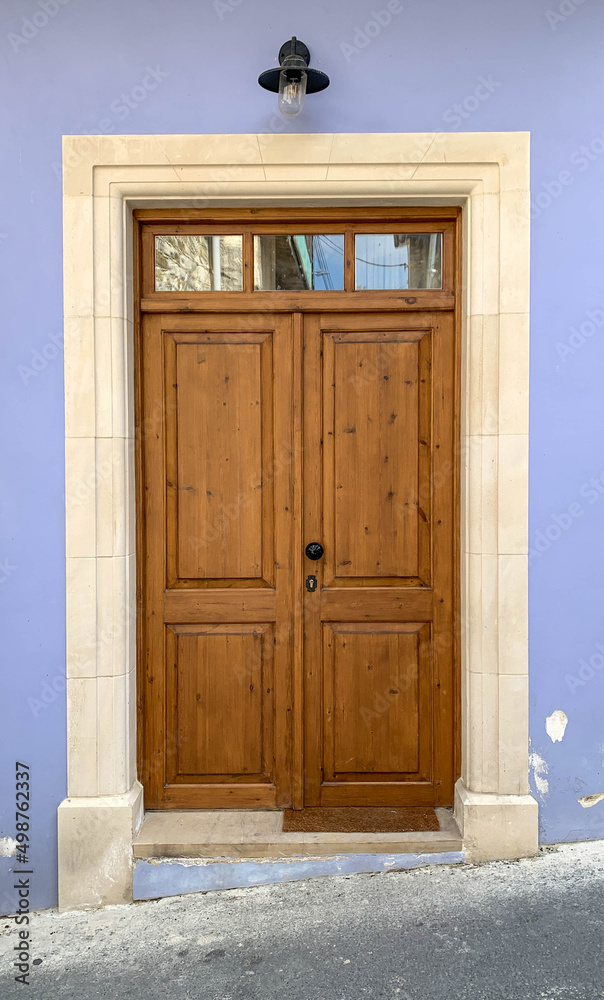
<point x="294" y="78"/>
<point x="291" y="93"/>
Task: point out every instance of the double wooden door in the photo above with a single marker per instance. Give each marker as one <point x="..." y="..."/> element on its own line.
<point x="270" y="679"/>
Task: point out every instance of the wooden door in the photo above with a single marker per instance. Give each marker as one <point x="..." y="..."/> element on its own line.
<point x="379" y="494"/>
<point x="258" y="692"/>
<point x="217" y="447"/>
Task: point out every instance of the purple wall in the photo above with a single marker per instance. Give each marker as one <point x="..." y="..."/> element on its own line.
<point x="544" y="74"/>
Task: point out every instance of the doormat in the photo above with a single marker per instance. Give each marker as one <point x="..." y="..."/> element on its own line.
<point x="359" y="819"/>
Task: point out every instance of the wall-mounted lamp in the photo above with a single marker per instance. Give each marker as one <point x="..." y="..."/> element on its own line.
<point x="294" y="79"/>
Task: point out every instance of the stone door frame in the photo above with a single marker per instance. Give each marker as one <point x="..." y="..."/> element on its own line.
<point x="104" y="179"/>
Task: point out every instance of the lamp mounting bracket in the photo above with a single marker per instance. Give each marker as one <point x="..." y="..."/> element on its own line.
<point x="294" y="48"/>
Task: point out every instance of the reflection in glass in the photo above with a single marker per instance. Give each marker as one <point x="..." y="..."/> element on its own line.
<point x="298" y="263"/>
<point x="398" y="260"/>
<point x="198" y="263"/>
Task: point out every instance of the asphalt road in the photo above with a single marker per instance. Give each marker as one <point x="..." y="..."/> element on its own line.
<point x="506" y="930"/>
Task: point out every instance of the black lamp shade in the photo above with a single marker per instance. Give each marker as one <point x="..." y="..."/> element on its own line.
<point x="294" y="58"/>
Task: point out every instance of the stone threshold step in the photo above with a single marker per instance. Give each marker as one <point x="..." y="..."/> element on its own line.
<point x="237" y="834"/>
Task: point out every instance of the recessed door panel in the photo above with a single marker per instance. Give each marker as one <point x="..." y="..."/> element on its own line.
<point x="221" y="693"/>
<point x="377" y="686"/>
<point x="377" y="428"/>
<point x="219" y="435"/>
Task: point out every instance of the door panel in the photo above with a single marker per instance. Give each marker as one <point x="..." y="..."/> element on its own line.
<point x="219" y="431"/>
<point x="221" y="694"/>
<point x="377" y="445"/>
<point x="375" y="676"/>
<point x="379" y="491"/>
<point x="218" y="482"/>
<point x="260" y="433"/>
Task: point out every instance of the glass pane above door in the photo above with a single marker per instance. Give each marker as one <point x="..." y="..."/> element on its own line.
<point x="298" y="263"/>
<point x="198" y="263"/>
<point x="398" y="260"/>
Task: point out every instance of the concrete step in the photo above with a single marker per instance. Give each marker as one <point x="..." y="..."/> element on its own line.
<point x="259" y="834"/>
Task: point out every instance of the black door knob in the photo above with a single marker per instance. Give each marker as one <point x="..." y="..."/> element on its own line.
<point x="314" y="550"/>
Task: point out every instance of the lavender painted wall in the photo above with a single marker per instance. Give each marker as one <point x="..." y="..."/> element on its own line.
<point x="65" y="71"/>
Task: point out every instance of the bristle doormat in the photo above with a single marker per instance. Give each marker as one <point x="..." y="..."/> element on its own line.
<point x="359" y="819"/>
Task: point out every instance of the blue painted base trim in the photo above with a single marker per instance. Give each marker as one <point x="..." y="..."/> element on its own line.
<point x="171" y="877"/>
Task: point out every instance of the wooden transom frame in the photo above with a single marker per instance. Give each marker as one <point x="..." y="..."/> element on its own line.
<point x="283" y="222"/>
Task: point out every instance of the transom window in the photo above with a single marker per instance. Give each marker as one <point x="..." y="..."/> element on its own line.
<point x="198" y="263"/>
<point x="298" y="263"/>
<point x="398" y="260"/>
<point x="267" y="252"/>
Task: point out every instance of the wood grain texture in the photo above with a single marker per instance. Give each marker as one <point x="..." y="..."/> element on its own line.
<point x="372" y="698"/>
<point x="379" y="629"/>
<point x="372" y="440"/>
<point x="221" y="402"/>
<point x="219" y="604"/>
<point x="288" y="302"/>
<point x="220" y="544"/>
<point x="221" y="693"/>
<point x="216" y="449"/>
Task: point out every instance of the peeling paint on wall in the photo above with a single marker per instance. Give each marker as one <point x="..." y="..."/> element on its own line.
<point x="8" y="847"/>
<point x="555" y="724"/>
<point x="590" y="800"/>
<point x="539" y="768"/>
<point x="173" y="878"/>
